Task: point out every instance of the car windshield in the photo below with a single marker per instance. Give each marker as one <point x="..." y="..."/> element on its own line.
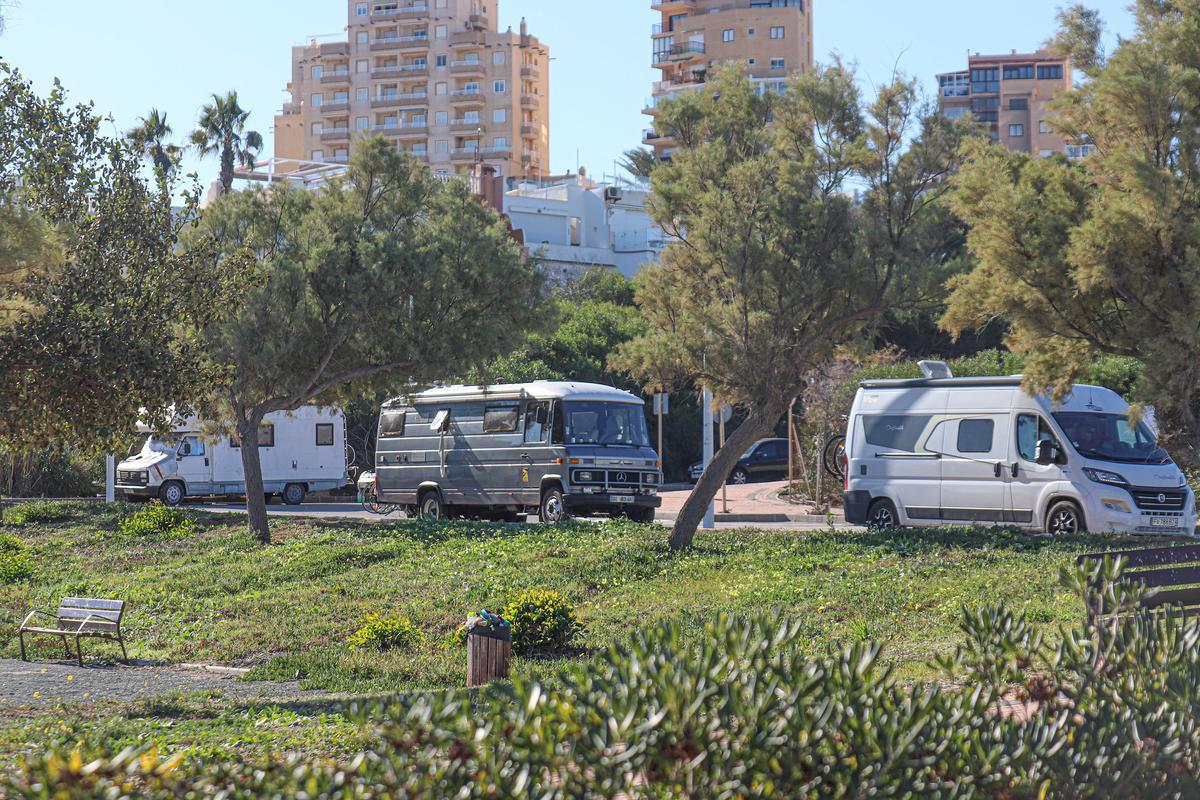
<point x="154" y="445"/>
<point x="611" y="424"/>
<point x="1111" y="437"/>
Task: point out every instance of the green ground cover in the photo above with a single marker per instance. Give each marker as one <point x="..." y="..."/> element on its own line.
<point x="286" y="611"/>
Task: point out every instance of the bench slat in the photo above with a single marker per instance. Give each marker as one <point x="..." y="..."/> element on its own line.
<point x="1183" y="598"/>
<point x="93" y="603"/>
<point x="1168" y="576"/>
<point x="1148" y="558"/>
<point x="83" y="613"/>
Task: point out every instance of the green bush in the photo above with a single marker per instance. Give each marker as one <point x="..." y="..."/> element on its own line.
<point x="542" y="621"/>
<point x="385" y="633"/>
<point x="14" y="561"/>
<point x="739" y="711"/>
<point x="38" y="511"/>
<point x="157" y="520"/>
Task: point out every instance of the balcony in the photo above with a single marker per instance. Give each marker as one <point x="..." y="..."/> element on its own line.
<point x="399" y="12"/>
<point x="400" y="43"/>
<point x="671" y="5"/>
<point x="530" y="101"/>
<point x="402" y="71"/>
<point x="680" y="52"/>
<point x="472" y="153"/>
<point x="335" y="108"/>
<point x="334" y="49"/>
<point x="336" y="76"/>
<point x="398" y="99"/>
<point x="465" y="38"/>
<point x="403" y="129"/>
<point x="466" y="96"/>
<point x="470" y="125"/>
<point x="479" y="22"/>
<point x="467" y="67"/>
<point x="531" y="72"/>
<point x="336" y="135"/>
<point x="528" y="131"/>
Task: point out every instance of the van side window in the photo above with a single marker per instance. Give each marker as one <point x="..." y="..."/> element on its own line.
<point x="391" y="424"/>
<point x="975" y="435"/>
<point x="1030" y="431"/>
<point x="324" y="434"/>
<point x="266" y="435"/>
<point x="501" y="419"/>
<point x="558" y="430"/>
<point x="536" y="417"/>
<point x="895" y="432"/>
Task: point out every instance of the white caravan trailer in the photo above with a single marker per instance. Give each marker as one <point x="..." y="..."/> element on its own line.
<point x="944" y="450"/>
<point x="301" y="451"/>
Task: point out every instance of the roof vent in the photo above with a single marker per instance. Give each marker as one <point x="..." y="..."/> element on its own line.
<point x="935" y="369"/>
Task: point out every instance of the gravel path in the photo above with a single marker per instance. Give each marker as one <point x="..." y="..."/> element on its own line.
<point x="49" y="683"/>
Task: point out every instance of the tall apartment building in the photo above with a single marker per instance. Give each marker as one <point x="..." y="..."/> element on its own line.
<point x="771" y="38"/>
<point x="1011" y="95"/>
<point x="433" y="76"/>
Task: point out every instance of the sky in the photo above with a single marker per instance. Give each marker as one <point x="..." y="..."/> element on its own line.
<point x="128" y="56"/>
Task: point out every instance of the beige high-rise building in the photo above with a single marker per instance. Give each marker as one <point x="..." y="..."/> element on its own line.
<point x="433" y="76"/>
<point x="772" y="39"/>
<point x="1011" y="95"/>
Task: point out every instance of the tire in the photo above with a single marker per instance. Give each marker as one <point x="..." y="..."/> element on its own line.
<point x="431" y="508"/>
<point x="642" y="516"/>
<point x="739" y="477"/>
<point x="172" y="493"/>
<point x="293" y="494"/>
<point x="882" y="515"/>
<point x="552" y="510"/>
<point x="1065" y="518"/>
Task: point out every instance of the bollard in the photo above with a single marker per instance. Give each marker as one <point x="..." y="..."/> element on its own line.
<point x="489" y="649"/>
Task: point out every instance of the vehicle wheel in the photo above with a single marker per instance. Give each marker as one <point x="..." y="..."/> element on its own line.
<point x="268" y="498"/>
<point x="171" y="493"/>
<point x="882" y="516"/>
<point x="431" y="508"/>
<point x="1065" y="519"/>
<point x="293" y="494"/>
<point x="739" y="477"/>
<point x="642" y="516"/>
<point x="552" y="510"/>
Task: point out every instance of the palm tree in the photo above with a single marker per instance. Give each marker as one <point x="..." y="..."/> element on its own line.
<point x="639" y="162"/>
<point x="150" y="139"/>
<point x="223" y="131"/>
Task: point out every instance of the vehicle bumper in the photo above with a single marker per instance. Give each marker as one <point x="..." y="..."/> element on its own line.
<point x="583" y="504"/>
<point x="136" y="491"/>
<point x="856" y="505"/>
<point x="1104" y="517"/>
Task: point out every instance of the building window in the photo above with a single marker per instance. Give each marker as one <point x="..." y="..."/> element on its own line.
<point x="362" y="10"/>
<point x="361" y="124"/>
<point x="362" y="95"/>
<point x="419" y="149"/>
<point x="777" y="32"/>
<point x="362" y="37"/>
<point x="1018" y="104"/>
<point x="440" y="118"/>
<point x="1022" y="72"/>
<point x="498" y="87"/>
<point x="1043" y="127"/>
<point x="318" y="72"/>
<point x="498" y="57"/>
<point x="324" y="434"/>
<point x="727" y="35"/>
<point x="440" y="61"/>
<point x="441" y="146"/>
<point x="500" y="115"/>
<point x="318" y="155"/>
<point x="317" y="100"/>
<point x="440" y="89"/>
<point x="777" y="63"/>
<point x="318" y="128"/>
<point x="750" y="31"/>
<point x="985" y="81"/>
<point x="1016" y="131"/>
<point x="500" y="143"/>
<point x="362" y="66"/>
<point x="751" y="61"/>
<point x="1050" y="72"/>
<point x="440" y="32"/>
<point x="985" y="109"/>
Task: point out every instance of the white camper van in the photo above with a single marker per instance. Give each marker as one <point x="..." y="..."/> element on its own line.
<point x="301" y="451"/>
<point x="943" y="450"/>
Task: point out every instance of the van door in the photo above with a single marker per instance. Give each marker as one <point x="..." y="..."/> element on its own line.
<point x="1028" y="480"/>
<point x="535" y="457"/>
<point x="195" y="466"/>
<point x="974" y="485"/>
<point x="897" y="457"/>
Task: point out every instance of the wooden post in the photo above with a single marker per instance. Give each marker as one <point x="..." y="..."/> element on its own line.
<point x="489" y="652"/>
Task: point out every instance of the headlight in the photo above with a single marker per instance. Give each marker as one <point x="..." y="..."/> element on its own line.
<point x="585" y="476"/>
<point x="1104" y="476"/>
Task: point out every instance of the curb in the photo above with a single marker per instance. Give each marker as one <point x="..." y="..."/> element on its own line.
<point x="818" y="519"/>
<point x="235" y="672"/>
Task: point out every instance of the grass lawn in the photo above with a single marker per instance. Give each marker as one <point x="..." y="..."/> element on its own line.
<point x="287" y="609"/>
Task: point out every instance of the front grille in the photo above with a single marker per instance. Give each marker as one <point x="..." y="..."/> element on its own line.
<point x="132" y="478"/>
<point x="1157" y="500"/>
<point x="616" y="480"/>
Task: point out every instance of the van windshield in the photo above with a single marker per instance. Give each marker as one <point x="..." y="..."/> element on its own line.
<point x="1111" y="437"/>
<point x="610" y="424"/>
<point x="154" y="445"/>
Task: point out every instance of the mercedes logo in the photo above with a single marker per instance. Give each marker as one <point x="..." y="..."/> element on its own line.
<point x="1162" y="498"/>
<point x="622" y="477"/>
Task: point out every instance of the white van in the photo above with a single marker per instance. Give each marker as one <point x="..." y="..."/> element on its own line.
<point x="301" y="451"/>
<point x="946" y="451"/>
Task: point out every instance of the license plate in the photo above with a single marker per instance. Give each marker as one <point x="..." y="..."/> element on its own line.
<point x="621" y="499"/>
<point x="1163" y="522"/>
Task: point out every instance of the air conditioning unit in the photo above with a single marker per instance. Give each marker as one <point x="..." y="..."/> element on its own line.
<point x="612" y="193"/>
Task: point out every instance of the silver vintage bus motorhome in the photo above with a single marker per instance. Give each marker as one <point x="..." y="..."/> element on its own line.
<point x="550" y="448"/>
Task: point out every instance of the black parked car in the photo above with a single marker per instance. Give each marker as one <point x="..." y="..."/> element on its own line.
<point x="767" y="459"/>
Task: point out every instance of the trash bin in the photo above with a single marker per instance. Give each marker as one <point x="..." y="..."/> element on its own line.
<point x="489" y="649"/>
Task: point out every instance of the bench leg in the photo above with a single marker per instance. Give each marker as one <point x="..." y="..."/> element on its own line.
<point x="66" y="645"/>
<point x="124" y="655"/>
<point x="78" y="651"/>
<point x="21" y="636"/>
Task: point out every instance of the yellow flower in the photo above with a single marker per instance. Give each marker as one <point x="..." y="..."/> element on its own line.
<point x="37" y="695"/>
<point x="70" y="677"/>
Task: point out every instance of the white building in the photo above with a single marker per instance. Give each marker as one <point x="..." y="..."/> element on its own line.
<point x="577" y="224"/>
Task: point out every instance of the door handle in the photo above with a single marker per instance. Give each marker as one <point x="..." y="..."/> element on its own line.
<point x="1015" y="468"/>
<point x="206" y="462"/>
<point x="998" y="469"/>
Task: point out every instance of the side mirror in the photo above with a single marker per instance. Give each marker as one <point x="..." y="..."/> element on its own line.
<point x="542" y="415"/>
<point x="1046" y="453"/>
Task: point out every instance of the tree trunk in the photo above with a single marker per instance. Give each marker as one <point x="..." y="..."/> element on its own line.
<point x="227" y="168"/>
<point x="757" y="425"/>
<point x="256" y="501"/>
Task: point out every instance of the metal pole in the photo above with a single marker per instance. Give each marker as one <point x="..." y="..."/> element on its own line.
<point x="791" y="443"/>
<point x="710" y="520"/>
<point x="661" y="458"/>
<point x="110" y="479"/>
<point x="724" y="485"/>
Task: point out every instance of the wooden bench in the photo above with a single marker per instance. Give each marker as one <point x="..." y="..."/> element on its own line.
<point x="78" y="618"/>
<point x="1173" y="572"/>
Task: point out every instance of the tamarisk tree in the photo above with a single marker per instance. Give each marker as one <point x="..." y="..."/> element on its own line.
<point x="777" y="262"/>
<point x="387" y="277"/>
